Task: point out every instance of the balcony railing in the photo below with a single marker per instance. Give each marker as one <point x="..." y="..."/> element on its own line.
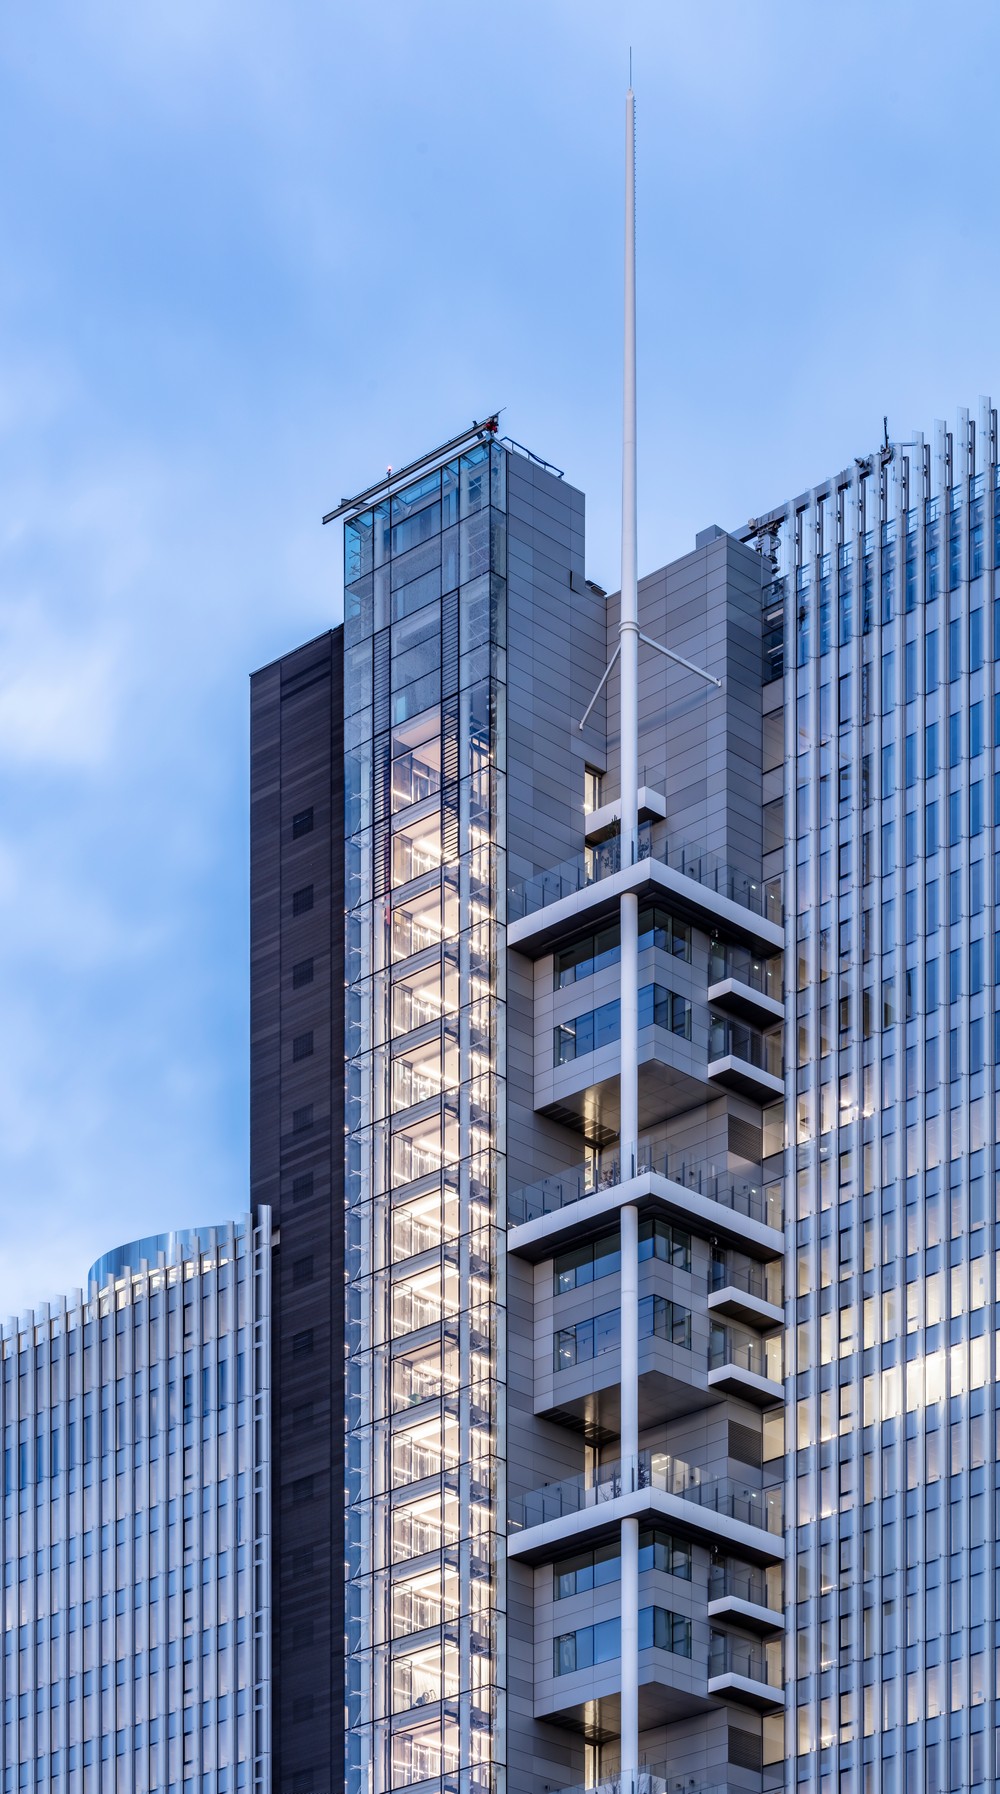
<point x="738" y="1040"/>
<point x="730" y="1271"/>
<point x="650" y="1470"/>
<point x="762" y="898"/>
<point x="731" y="1345"/>
<point x="734" y="1657"/>
<point x="661" y="1779"/>
<point x="763" y="975"/>
<point x="739" y="1583"/>
<point x="744" y="1196"/>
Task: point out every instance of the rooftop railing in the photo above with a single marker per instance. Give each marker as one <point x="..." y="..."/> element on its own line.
<point x="649" y="1470"/>
<point x="744" y="1196"/>
<point x="762" y="897"/>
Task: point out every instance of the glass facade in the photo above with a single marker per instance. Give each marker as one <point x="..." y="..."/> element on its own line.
<point x="424" y="680"/>
<point x="135" y="1522"/>
<point x="889" y="714"/>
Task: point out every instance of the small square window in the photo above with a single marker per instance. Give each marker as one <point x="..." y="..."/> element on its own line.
<point x="302" y="1344"/>
<point x="302" y="1186"/>
<point x="302" y="973"/>
<point x="302" y="1118"/>
<point x="302" y="1271"/>
<point x="302" y="900"/>
<point x="302" y="1045"/>
<point x="302" y="824"/>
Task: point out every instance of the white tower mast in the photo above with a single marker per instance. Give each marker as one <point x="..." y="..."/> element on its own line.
<point x="628" y="640"/>
<point x="627" y="651"/>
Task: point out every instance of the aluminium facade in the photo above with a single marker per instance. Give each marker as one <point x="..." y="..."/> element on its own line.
<point x="881" y="774"/>
<point x="135" y="1524"/>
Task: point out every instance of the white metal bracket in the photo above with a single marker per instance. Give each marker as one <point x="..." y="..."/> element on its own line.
<point x="660" y="649"/>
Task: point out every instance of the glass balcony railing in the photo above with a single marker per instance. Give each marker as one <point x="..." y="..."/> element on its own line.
<point x="764" y="975"/>
<point x="660" y="1779"/>
<point x="738" y="1040"/>
<point x="744" y="1196"/>
<point x="738" y="1582"/>
<point x="735" y="1657"/>
<point x="732" y="1271"/>
<point x="762" y="897"/>
<point x="732" y="1345"/>
<point x="650" y="1470"/>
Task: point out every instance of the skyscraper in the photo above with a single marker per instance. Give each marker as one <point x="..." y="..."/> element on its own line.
<point x="135" y="1523"/>
<point x="660" y="1377"/>
<point x="882" y="733"/>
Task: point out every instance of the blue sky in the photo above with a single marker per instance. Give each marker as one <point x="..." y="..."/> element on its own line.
<point x="251" y="254"/>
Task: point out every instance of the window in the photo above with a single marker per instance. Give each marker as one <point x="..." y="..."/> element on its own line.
<point x="658" y="928"/>
<point x="659" y="1629"/>
<point x="302" y="1271"/>
<point x="586" y="956"/>
<point x="658" y="1239"/>
<point x="586" y="1264"/>
<point x="302" y="1046"/>
<point x="593" y="952"/>
<point x="302" y="973"/>
<point x="585" y="1033"/>
<point x="302" y="1186"/>
<point x="302" y="823"/>
<point x="663" y="1008"/>
<point x="593" y="782"/>
<point x="302" y="1118"/>
<point x="302" y="900"/>
<point x="586" y="1570"/>
<point x="302" y="1344"/>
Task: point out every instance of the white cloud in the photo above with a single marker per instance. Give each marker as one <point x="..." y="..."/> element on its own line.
<point x="59" y="693"/>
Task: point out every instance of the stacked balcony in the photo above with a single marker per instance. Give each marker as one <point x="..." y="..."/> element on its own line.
<point x="710" y="1296"/>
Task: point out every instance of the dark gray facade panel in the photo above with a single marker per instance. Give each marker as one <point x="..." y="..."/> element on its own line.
<point x="296" y="1166"/>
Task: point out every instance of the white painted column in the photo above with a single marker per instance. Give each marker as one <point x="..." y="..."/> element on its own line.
<point x="629" y="994"/>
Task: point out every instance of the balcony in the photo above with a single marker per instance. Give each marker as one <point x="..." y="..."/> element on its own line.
<point x="743" y="1596"/>
<point x="743" y="1365"/>
<point x="716" y="1510"/>
<point x="743" y="1059"/>
<point x="745" y="985"/>
<point x="700" y="887"/>
<point x="743" y="1672"/>
<point x="737" y="1210"/>
<point x="741" y="1290"/>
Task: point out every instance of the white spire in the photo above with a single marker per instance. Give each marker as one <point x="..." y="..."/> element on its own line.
<point x="629" y="619"/>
